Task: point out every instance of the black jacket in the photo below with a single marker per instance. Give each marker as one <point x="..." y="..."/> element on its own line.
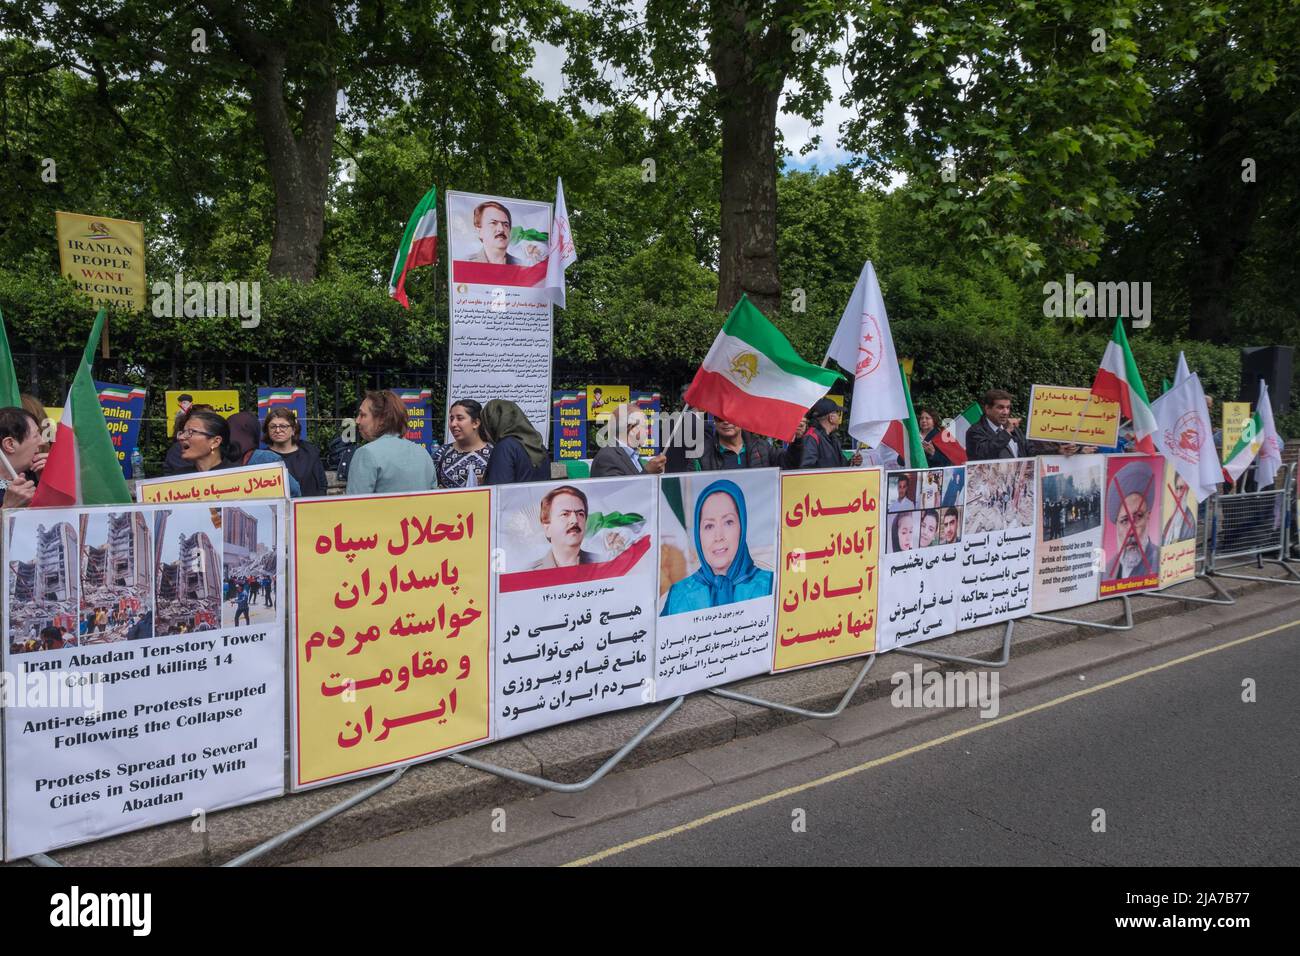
<point x="510" y="464"/>
<point x="986" y="443"/>
<point x="820" y="450"/>
<point x="758" y="453"/>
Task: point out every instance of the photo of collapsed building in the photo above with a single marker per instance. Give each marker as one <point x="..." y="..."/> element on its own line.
<point x="187" y="593"/>
<point x="249" y="582"/>
<point x="116" y="578"/>
<point x="42" y="584"/>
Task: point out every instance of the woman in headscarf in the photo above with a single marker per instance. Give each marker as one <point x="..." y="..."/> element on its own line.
<point x="727" y="573"/>
<point x="518" y="453"/>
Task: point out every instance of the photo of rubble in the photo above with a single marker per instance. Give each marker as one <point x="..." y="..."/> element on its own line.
<point x="116" y="578"/>
<point x="249" y="581"/>
<point x="43" y="580"/>
<point x="187" y="553"/>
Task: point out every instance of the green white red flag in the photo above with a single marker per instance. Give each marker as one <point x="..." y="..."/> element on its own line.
<point x="952" y="440"/>
<point x="82" y="468"/>
<point x="419" y="245"/>
<point x="1258" y="440"/>
<point x="1118" y="381"/>
<point x="753" y="377"/>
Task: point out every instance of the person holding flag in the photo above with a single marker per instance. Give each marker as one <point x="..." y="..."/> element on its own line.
<point x="1117" y="380"/>
<point x="1259" y="442"/>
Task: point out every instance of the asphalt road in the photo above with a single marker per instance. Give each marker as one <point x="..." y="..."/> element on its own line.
<point x="1186" y="772"/>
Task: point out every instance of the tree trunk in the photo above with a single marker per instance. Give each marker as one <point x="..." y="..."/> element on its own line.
<point x="747" y="256"/>
<point x="299" y="166"/>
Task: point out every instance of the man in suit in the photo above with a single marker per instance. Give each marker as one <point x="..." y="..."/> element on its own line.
<point x="493" y="224"/>
<point x="564" y="522"/>
<point x="629" y="429"/>
<point x="998" y="435"/>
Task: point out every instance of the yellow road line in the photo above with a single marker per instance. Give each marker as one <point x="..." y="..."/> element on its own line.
<point x="917" y="748"/>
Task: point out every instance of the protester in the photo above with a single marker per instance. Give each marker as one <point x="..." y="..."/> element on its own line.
<point x="518" y="452"/>
<point x="928" y="424"/>
<point x="173" y="463"/>
<point x="630" y="430"/>
<point x="20" y="440"/>
<point x="37" y="408"/>
<point x="462" y="463"/>
<point x="727" y="446"/>
<point x="387" y="462"/>
<point x="793" y="452"/>
<point x="821" y="447"/>
<point x="301" y="458"/>
<point x="205" y="443"/>
<point x="998" y="435"/>
<point x="241" y="605"/>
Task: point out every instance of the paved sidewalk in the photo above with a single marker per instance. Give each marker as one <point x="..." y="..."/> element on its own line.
<point x="442" y="790"/>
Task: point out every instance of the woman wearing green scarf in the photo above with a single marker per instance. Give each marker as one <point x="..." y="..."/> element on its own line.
<point x="518" y="453"/>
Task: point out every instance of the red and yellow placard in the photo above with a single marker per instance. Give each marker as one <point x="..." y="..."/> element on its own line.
<point x="251" y="481"/>
<point x="391" y="597"/>
<point x="1073" y="415"/>
<point x="830" y="551"/>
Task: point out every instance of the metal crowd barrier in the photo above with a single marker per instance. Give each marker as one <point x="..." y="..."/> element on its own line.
<point x="1205" y="531"/>
<point x="1249" y="526"/>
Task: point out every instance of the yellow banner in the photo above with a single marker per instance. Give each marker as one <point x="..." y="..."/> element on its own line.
<point x="1235" y="416"/>
<point x="391" y="598"/>
<point x="224" y="401"/>
<point x="830" y="550"/>
<point x="103" y="257"/>
<point x="1178" y="535"/>
<point x="251" y="481"/>
<point x="602" y="399"/>
<point x="1057" y="413"/>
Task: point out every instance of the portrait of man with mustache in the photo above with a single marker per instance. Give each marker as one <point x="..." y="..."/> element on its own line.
<point x="564" y="522"/>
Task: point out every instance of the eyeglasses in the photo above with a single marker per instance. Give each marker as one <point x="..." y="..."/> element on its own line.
<point x="191" y="432"/>
<point x="280" y="427"/>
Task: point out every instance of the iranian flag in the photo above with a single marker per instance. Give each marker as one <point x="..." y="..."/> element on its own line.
<point x="952" y="440"/>
<point x="753" y="377"/>
<point x="419" y="245"/>
<point x="904" y="437"/>
<point x="1118" y="381"/>
<point x="1258" y="438"/>
<point x="82" y="468"/>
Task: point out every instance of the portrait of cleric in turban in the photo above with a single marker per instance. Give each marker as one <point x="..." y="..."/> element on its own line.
<point x="1132" y="503"/>
<point x="719" y="531"/>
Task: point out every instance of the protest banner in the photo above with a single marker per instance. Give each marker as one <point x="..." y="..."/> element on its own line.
<point x="920" y="568"/>
<point x="419" y="414"/>
<point x="294" y="399"/>
<point x="1235" y="417"/>
<point x="997" y="558"/>
<point x="831" y="525"/>
<point x="391" y="625"/>
<point x="249" y="481"/>
<point x="569" y="423"/>
<point x="1061" y="414"/>
<point x="1178" y="533"/>
<point x="717" y="558"/>
<point x="1131" y="533"/>
<point x="500" y="340"/>
<point x="123" y="408"/>
<point x="1067" y="563"/>
<point x="603" y="399"/>
<point x="224" y="401"/>
<point x="576" y="598"/>
<point x="131" y="699"/>
<point x="650" y="404"/>
<point x="103" y="257"/>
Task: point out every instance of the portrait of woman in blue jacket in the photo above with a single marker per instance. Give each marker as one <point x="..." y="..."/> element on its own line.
<point x="727" y="573"/>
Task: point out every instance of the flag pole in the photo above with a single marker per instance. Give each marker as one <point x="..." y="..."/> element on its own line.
<point x="13" y="475"/>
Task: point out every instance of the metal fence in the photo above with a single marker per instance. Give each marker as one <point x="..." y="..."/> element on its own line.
<point x="1253" y="528"/>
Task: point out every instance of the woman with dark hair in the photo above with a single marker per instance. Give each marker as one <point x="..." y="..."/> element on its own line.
<point x="387" y="462"/>
<point x="518" y="453"/>
<point x="300" y="457"/>
<point x="929" y="427"/>
<point x="205" y="444"/>
<point x="463" y="463"/>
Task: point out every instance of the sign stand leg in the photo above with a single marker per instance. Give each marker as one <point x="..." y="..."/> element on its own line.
<point x="973" y="661"/>
<point x="1126" y="626"/>
<point x="799" y="711"/>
